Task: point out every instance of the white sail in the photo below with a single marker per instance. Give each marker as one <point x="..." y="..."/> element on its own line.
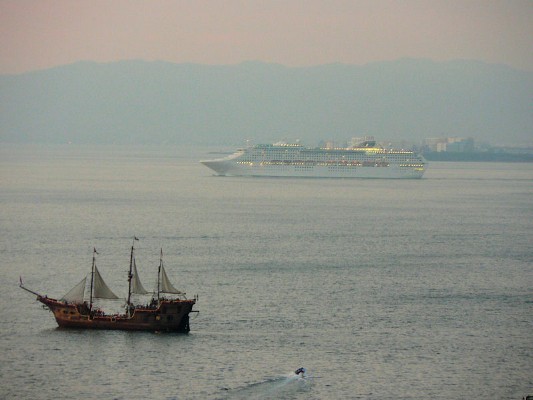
<point x="166" y="286"/>
<point x="100" y="288"/>
<point x="136" y="285"/>
<point x="75" y="295"/>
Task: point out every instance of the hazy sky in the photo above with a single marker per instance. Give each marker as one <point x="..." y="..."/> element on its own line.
<point x="37" y="34"/>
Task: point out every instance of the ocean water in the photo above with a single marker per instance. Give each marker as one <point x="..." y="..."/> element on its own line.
<point x="382" y="289"/>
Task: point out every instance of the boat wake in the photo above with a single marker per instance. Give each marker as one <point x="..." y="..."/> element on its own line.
<point x="286" y="387"/>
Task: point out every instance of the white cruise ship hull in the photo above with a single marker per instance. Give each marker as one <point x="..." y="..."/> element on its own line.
<point x="296" y="161"/>
<point x="230" y="168"/>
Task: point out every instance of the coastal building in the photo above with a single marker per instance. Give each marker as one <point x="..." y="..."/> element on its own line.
<point x="449" y="144"/>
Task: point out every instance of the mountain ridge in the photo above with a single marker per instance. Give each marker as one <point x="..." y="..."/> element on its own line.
<point x="161" y="102"/>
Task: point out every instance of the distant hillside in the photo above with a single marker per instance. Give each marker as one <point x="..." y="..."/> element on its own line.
<point x="158" y="102"/>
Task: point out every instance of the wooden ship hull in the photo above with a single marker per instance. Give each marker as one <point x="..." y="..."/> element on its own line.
<point x="168" y="316"/>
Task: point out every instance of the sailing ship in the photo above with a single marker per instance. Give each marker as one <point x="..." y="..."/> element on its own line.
<point x="160" y="314"/>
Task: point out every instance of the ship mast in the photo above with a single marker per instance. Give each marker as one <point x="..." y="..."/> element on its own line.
<point x="92" y="279"/>
<point x="130" y="274"/>
<point x="159" y="274"/>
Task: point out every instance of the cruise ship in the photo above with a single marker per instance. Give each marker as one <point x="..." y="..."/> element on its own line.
<point x="363" y="160"/>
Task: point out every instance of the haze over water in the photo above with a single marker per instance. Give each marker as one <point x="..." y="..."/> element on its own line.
<point x="380" y="288"/>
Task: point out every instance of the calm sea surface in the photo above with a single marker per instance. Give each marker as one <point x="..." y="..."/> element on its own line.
<point x="382" y="289"/>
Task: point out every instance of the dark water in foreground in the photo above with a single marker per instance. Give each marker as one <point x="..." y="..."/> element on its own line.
<point x="382" y="289"/>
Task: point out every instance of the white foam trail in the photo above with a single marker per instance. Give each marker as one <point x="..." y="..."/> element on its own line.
<point x="272" y="389"/>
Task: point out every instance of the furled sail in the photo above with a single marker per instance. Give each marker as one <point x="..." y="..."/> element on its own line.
<point x="75" y="295"/>
<point x="100" y="288"/>
<point x="166" y="286"/>
<point x="136" y="285"/>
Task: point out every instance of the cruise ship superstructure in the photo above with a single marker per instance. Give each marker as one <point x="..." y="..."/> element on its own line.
<point x="364" y="160"/>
